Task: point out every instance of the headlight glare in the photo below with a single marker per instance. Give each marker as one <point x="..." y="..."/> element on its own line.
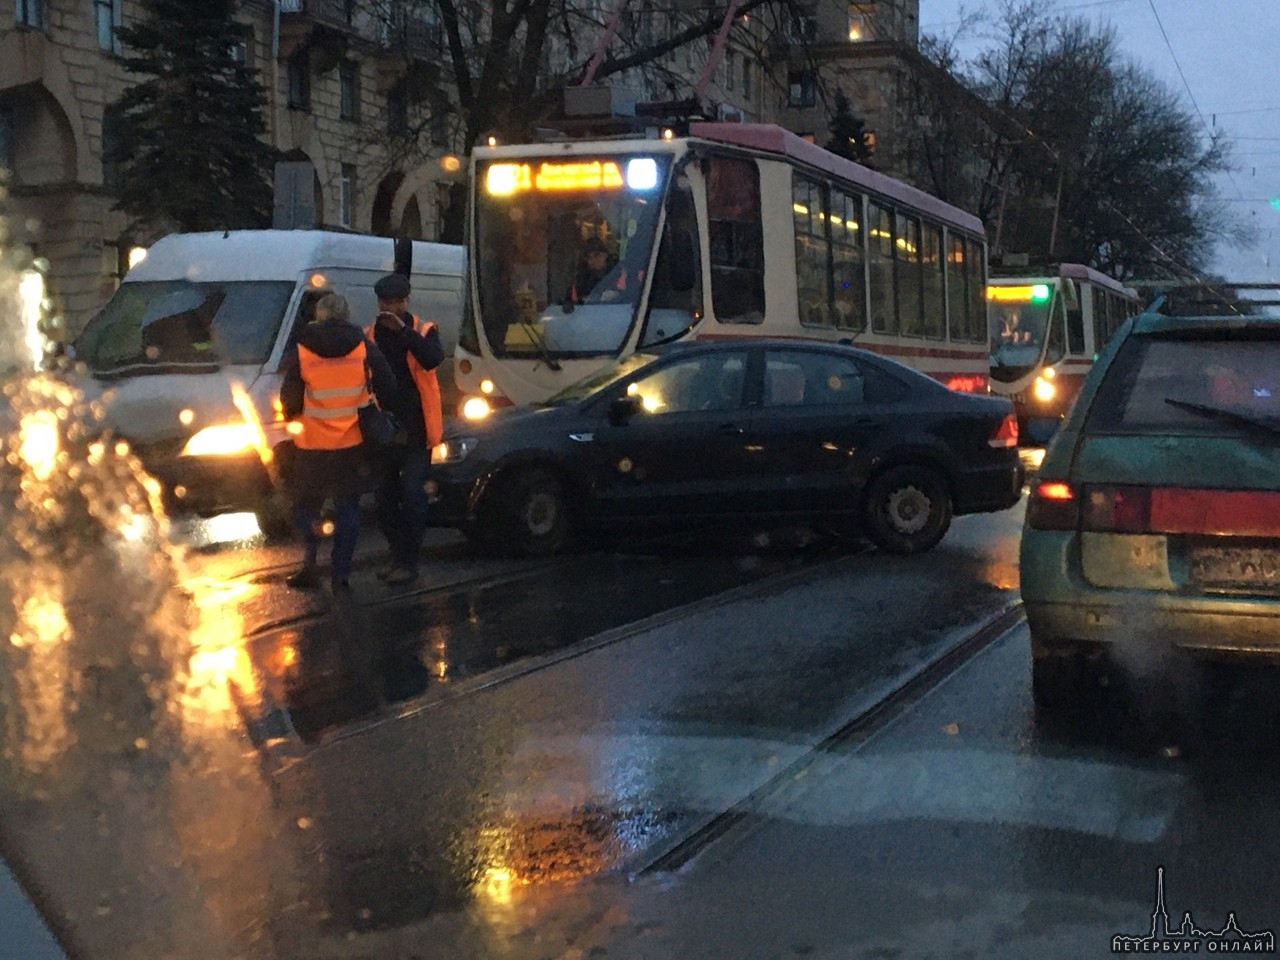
<point x="221" y="440"/>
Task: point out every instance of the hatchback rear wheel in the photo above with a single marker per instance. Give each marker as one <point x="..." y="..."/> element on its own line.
<point x="907" y="509"/>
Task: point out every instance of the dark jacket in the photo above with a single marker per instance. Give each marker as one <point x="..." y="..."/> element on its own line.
<point x="323" y="473"/>
<point x="396" y="346"/>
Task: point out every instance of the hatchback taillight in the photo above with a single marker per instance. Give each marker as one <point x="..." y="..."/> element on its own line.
<point x="1117" y="509"/>
<point x="1053" y="506"/>
<point x="1006" y="434"/>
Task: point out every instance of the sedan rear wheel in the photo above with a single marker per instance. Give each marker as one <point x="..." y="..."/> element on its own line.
<point x="907" y="509"/>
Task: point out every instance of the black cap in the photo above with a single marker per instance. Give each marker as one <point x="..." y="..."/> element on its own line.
<point x="393" y="286"/>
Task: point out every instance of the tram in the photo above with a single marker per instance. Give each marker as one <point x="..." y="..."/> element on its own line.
<point x="1046" y="330"/>
<point x="585" y="251"/>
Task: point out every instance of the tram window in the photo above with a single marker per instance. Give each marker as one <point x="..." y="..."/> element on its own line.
<point x="884" y="311"/>
<point x="1056" y="345"/>
<point x="847" y="269"/>
<point x="809" y="207"/>
<point x="1075" y="321"/>
<point x="957" y="299"/>
<point x="935" y="321"/>
<point x="675" y="299"/>
<point x="736" y="239"/>
<point x="976" y="280"/>
<point x="906" y="249"/>
<point x="1101" y="320"/>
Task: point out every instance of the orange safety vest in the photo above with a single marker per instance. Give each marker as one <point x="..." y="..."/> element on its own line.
<point x="427" y="384"/>
<point x="334" y="390"/>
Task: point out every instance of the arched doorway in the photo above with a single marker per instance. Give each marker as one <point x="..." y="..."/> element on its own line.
<point x="382" y="203"/>
<point x="411" y="221"/>
<point x="300" y="156"/>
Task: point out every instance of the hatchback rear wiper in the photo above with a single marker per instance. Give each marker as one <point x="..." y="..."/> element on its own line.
<point x="1222" y="413"/>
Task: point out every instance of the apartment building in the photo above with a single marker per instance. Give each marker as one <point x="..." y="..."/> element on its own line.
<point x="345" y="89"/>
<point x="359" y="90"/>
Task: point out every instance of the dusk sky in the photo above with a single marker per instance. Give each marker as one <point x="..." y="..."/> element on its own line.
<point x="1222" y="59"/>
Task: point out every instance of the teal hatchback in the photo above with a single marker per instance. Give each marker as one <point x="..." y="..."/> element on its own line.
<point x="1153" y="528"/>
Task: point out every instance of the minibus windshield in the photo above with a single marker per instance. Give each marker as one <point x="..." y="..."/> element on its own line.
<point x="159" y="326"/>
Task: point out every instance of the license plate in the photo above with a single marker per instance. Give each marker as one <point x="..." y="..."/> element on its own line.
<point x="1251" y="567"/>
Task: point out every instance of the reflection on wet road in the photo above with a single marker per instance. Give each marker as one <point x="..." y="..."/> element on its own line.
<point x="363" y="658"/>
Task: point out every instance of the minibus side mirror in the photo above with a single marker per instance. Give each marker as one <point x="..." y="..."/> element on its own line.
<point x="623" y="409"/>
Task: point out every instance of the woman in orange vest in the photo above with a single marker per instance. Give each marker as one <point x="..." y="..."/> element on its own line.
<point x="328" y="371"/>
<point x="413" y="348"/>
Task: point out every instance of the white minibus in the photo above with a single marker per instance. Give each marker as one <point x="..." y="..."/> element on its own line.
<point x="186" y="354"/>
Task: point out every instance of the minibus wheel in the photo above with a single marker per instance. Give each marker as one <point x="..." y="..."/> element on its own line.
<point x="275" y="521"/>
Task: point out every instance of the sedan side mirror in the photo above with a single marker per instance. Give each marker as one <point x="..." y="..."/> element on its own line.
<point x="623" y="409"/>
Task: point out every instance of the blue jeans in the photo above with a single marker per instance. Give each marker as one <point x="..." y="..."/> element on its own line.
<point x="401" y="499"/>
<point x="346" y="529"/>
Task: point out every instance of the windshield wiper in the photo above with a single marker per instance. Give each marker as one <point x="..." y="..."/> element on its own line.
<point x="539" y="341"/>
<point x="1229" y="416"/>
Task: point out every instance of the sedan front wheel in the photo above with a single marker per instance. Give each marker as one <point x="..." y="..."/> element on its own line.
<point x="528" y="514"/>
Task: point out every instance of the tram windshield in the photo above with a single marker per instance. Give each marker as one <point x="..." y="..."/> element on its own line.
<point x="1019" y="322"/>
<point x="562" y="251"/>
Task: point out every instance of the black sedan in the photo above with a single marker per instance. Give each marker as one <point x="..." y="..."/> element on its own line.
<point x="733" y="430"/>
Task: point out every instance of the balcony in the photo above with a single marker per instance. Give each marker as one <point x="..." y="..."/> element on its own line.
<point x="414" y="37"/>
<point x="333" y="13"/>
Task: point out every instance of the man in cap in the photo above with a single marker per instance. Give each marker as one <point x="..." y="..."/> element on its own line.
<point x="595" y="264"/>
<point x="413" y="348"/>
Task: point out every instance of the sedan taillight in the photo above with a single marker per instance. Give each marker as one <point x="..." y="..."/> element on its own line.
<point x="1053" y="506"/>
<point x="1006" y="434"/>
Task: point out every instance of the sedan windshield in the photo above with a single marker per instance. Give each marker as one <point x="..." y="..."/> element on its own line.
<point x="162" y="325"/>
<point x="600" y="379"/>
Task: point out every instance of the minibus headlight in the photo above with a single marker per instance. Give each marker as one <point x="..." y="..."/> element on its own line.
<point x="1044" y="390"/>
<point x="222" y="440"/>
<point x="453" y="450"/>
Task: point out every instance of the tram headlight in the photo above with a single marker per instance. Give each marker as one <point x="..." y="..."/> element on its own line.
<point x="453" y="450"/>
<point x="1044" y="390"/>
<point x="476" y="408"/>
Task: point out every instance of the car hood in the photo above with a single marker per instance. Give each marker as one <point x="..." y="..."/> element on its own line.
<point x="513" y="420"/>
<point x="1180" y="461"/>
<point x="146" y="409"/>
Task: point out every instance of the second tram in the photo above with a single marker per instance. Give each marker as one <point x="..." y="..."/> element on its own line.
<point x="1046" y="330"/>
<point x="585" y="251"/>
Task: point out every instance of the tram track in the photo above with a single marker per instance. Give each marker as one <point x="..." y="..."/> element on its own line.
<point x="847" y="733"/>
<point x="489" y="680"/>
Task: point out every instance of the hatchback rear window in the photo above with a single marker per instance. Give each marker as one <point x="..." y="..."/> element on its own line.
<point x="1190" y="385"/>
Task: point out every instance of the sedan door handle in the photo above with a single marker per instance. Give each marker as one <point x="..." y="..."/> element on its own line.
<point x="730" y="429"/>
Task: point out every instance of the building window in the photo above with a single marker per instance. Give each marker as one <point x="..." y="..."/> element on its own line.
<point x="861" y="22"/>
<point x="6" y="143"/>
<point x="30" y="13"/>
<point x="730" y="66"/>
<point x="746" y="78"/>
<point x="299" y="75"/>
<point x="107" y="14"/>
<point x="110" y="136"/>
<point x="347" y="195"/>
<point x="398" y="110"/>
<point x="349" y="84"/>
<point x="240" y="49"/>
<point x="801" y="88"/>
<point x="802" y="27"/>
